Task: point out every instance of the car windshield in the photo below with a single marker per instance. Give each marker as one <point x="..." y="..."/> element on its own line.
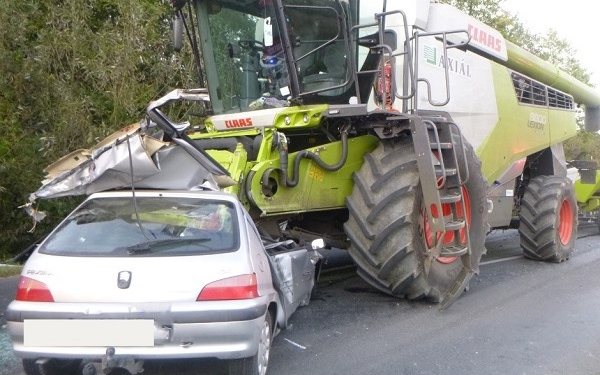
<point x="167" y="226"/>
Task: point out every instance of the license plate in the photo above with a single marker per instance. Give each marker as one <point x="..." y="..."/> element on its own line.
<point x="48" y="332"/>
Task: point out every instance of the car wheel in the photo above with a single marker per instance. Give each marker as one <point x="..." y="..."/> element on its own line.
<point x="52" y="367"/>
<point x="257" y="364"/>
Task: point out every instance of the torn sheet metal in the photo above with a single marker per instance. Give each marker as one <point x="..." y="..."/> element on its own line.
<point x="294" y="276"/>
<point x="77" y="157"/>
<point x="109" y="165"/>
<point x="108" y="170"/>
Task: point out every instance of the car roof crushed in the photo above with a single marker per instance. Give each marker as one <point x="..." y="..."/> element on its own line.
<point x="135" y="156"/>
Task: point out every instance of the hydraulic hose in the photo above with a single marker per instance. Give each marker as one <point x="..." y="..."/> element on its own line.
<point x="283" y="174"/>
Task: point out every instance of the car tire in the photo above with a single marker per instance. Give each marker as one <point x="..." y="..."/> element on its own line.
<point x="52" y="367"/>
<point x="257" y="364"/>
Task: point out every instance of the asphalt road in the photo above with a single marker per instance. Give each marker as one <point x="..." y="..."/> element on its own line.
<point x="518" y="317"/>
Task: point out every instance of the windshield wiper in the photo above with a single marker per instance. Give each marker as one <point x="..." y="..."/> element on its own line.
<point x="165" y="242"/>
<point x="92" y="215"/>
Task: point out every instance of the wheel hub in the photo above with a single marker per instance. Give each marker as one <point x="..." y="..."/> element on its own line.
<point x="565" y="222"/>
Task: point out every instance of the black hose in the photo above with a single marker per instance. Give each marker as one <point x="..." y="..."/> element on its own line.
<point x="283" y="170"/>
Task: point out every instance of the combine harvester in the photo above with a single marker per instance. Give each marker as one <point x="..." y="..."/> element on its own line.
<point x="586" y="178"/>
<point x="403" y="131"/>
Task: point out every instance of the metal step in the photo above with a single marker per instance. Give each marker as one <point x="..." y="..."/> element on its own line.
<point x="453" y="250"/>
<point x="445" y="172"/>
<point x="455" y="224"/>
<point x="461" y="282"/>
<point x="438" y="133"/>
<point x="437" y="120"/>
<point x="441" y="146"/>
<point x="450" y="197"/>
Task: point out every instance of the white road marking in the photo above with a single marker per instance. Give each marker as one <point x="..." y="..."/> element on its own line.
<point x="295" y="344"/>
<point x="501" y="260"/>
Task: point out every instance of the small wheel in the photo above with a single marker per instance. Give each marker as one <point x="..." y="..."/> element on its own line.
<point x="548" y="219"/>
<point x="53" y="367"/>
<point x="257" y="364"/>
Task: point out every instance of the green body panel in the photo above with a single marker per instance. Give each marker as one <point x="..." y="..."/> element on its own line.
<point x="562" y="125"/>
<point x="235" y="163"/>
<point x="317" y="189"/>
<point x="541" y="70"/>
<point x="285" y="118"/>
<point x="521" y="129"/>
<point x="306" y="117"/>
<point x="588" y="195"/>
<point x="223" y="134"/>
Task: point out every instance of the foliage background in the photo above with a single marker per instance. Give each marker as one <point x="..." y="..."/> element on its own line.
<point x="72" y="72"/>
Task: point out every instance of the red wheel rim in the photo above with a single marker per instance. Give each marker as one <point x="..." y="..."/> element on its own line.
<point x="448" y="237"/>
<point x="565" y="222"/>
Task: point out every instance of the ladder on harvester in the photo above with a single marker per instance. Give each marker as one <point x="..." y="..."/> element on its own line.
<point x="443" y="169"/>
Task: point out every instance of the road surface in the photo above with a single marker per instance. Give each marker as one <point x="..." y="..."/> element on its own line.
<point x="518" y="317"/>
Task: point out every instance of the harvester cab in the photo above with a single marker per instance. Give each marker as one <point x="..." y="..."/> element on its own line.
<point x="259" y="55"/>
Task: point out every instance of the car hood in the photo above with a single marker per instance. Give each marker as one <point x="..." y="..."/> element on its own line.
<point x="151" y="279"/>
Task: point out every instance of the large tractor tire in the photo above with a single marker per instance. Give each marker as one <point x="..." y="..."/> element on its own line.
<point x="548" y="219"/>
<point x="388" y="229"/>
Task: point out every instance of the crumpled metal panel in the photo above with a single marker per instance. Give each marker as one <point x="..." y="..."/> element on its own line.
<point x="294" y="276"/>
<point x="78" y="157"/>
<point x="110" y="167"/>
<point x="109" y="170"/>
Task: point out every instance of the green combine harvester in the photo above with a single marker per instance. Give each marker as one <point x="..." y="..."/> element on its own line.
<point x="403" y="131"/>
<point x="586" y="178"/>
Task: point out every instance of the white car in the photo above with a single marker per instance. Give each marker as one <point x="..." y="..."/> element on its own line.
<point x="129" y="276"/>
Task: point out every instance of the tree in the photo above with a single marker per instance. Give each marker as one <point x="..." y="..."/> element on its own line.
<point x="559" y="52"/>
<point x="584" y="147"/>
<point x="549" y="46"/>
<point x="73" y="72"/>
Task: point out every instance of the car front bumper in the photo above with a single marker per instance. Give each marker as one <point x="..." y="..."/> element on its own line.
<point x="219" y="329"/>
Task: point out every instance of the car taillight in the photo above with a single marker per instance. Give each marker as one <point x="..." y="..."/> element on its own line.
<point x="237" y="287"/>
<point x="33" y="291"/>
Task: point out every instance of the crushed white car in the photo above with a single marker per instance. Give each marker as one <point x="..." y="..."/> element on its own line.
<point x="152" y="274"/>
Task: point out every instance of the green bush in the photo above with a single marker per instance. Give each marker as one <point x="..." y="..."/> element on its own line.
<point x="73" y="72"/>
